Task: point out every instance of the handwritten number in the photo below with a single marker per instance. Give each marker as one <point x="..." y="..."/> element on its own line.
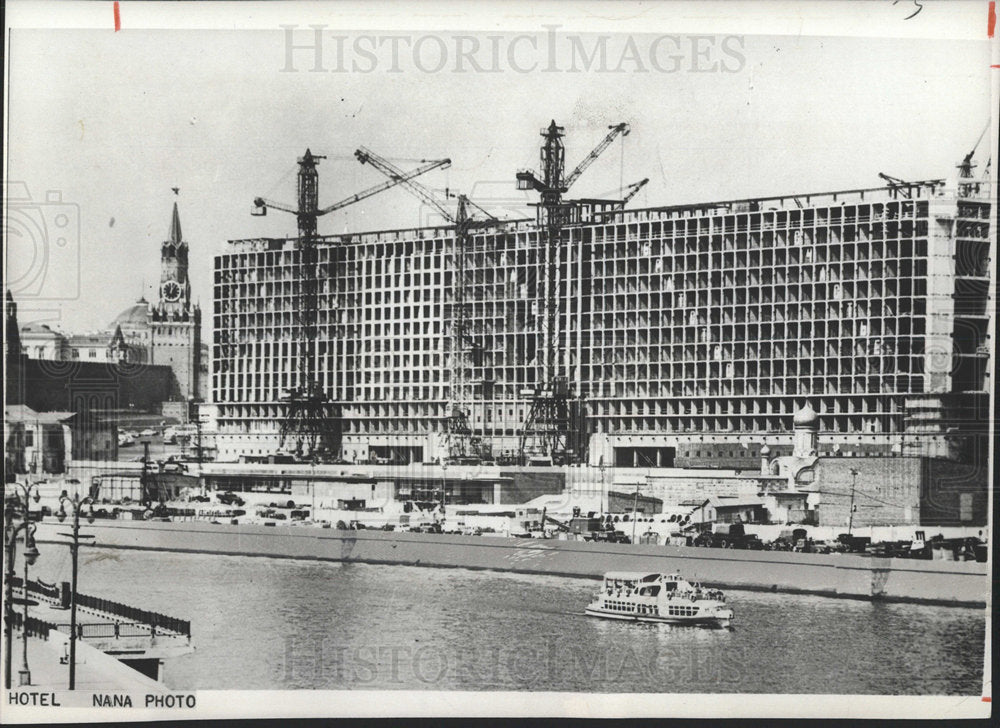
<point x="919" y="8"/>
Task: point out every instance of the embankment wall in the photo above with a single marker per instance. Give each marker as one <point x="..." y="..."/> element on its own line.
<point x="842" y="575"/>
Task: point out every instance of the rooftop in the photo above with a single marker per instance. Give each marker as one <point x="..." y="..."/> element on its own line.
<point x="24" y="414"/>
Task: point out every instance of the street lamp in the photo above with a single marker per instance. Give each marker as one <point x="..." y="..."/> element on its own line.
<point x="850" y="518"/>
<point x="18" y="507"/>
<point x="444" y="487"/>
<point x="635" y="509"/>
<point x="76" y="503"/>
<point x="603" y="486"/>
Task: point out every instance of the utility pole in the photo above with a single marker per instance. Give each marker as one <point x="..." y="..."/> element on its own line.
<point x="603" y="487"/>
<point x="635" y="509"/>
<point x="76" y="503"/>
<point x="144" y="478"/>
<point x="850" y="518"/>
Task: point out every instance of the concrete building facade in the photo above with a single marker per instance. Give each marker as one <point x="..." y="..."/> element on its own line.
<point x="696" y="329"/>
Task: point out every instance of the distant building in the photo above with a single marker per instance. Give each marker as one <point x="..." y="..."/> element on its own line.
<point x="167" y="333"/>
<point x="46" y="443"/>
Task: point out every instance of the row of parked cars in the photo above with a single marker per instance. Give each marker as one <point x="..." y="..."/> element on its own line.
<point x="734" y="536"/>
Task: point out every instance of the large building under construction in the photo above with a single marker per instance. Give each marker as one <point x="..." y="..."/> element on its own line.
<point x="676" y="335"/>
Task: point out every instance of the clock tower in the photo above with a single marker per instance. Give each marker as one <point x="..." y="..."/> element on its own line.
<point x="175" y="290"/>
<point x="175" y="322"/>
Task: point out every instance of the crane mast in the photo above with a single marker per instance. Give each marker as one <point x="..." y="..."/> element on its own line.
<point x="552" y="429"/>
<point x="311" y="422"/>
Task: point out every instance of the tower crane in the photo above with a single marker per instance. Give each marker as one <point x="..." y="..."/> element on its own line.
<point x="553" y="185"/>
<point x="967" y="187"/>
<point x="311" y="422"/>
<point x="261" y="205"/>
<point x="967" y="165"/>
<point x="552" y="427"/>
<point x="466" y="353"/>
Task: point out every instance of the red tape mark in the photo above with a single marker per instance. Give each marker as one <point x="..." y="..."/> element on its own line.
<point x="118" y="17"/>
<point x="991" y="20"/>
<point x="987" y="699"/>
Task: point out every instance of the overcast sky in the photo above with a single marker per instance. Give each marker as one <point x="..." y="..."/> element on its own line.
<point x="114" y="120"/>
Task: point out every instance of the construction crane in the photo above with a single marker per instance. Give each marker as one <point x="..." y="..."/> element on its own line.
<point x="311" y="422"/>
<point x="967" y="165"/>
<point x="897" y="184"/>
<point x="617" y="129"/>
<point x="967" y="187"/>
<point x="552" y="429"/>
<point x="461" y="441"/>
<point x="633" y="190"/>
<point x="552" y="185"/>
<point x="261" y="205"/>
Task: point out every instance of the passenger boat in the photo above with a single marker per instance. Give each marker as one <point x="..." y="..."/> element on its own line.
<point x="644" y="597"/>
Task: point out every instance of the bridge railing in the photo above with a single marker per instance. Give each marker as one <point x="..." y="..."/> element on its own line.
<point x="113" y="630"/>
<point x="161" y="622"/>
<point x="47" y="590"/>
<point x="155" y="620"/>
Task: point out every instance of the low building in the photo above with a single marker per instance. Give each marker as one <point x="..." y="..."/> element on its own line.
<point x="733" y="510"/>
<point x="36" y="442"/>
<point x="620" y="502"/>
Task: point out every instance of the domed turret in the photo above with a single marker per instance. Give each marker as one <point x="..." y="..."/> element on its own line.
<point x="805" y="435"/>
<point x="765" y="462"/>
<point x="806" y="417"/>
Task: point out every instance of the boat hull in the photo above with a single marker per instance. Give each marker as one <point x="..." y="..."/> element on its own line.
<point x="722" y="621"/>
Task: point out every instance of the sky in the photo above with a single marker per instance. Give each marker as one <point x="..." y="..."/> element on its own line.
<point x="112" y="121"/>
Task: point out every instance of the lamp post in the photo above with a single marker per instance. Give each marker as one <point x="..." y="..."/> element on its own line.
<point x="147" y="499"/>
<point x="76" y="503"/>
<point x="850" y="517"/>
<point x="601" y="466"/>
<point x="12" y="510"/>
<point x="635" y="509"/>
<point x="444" y="485"/>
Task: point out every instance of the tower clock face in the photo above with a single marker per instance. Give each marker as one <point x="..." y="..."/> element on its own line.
<point x="171" y="291"/>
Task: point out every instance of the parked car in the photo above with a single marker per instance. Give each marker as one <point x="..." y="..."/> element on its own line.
<point x="148" y="433"/>
<point x="230" y="499"/>
<point x="854" y="544"/>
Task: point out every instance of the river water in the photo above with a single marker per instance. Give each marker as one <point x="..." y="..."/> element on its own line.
<point x="281" y="624"/>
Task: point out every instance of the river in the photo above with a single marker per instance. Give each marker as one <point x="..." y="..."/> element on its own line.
<point x="262" y="623"/>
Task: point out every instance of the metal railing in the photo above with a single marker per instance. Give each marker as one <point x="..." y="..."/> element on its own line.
<point x="158" y="621"/>
<point x="46" y="590"/>
<point x="115" y="630"/>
